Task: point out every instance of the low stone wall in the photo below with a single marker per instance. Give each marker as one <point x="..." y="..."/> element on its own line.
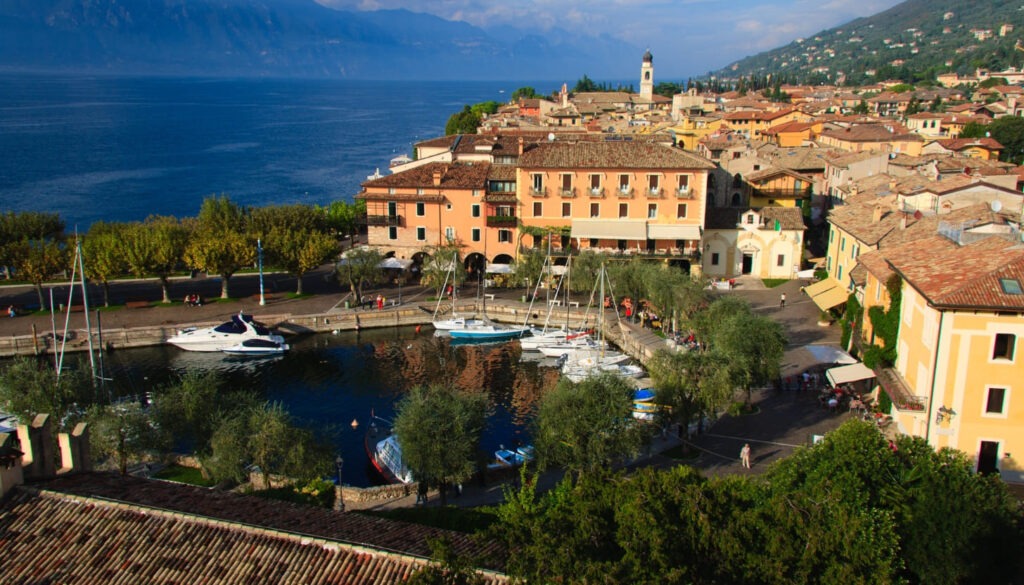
<point x="379" y="493"/>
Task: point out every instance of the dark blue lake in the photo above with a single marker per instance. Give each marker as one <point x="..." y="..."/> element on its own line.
<point x="121" y="149"/>
<point x="328" y="381"/>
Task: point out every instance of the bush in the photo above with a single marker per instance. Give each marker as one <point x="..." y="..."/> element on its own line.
<point x="318" y="492"/>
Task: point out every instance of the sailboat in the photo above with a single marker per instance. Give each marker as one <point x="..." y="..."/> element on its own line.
<point x="486" y="331"/>
<point x="554" y="337"/>
<point x="455" y="321"/>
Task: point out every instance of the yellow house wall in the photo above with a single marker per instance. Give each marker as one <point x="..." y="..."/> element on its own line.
<point x="843" y="250"/>
<point x="765" y="245"/>
<point x="875" y="295"/>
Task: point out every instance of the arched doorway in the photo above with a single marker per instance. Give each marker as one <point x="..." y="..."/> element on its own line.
<point x="416" y="270"/>
<point x="503" y="259"/>
<point x="474" y="265"/>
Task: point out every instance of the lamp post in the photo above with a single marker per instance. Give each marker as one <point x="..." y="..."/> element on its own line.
<point x="259" y="255"/>
<point x="338" y="462"/>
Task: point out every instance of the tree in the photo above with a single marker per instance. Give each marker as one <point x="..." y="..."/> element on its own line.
<point x="465" y="122"/>
<point x="528" y="268"/>
<point x="219" y="244"/>
<point x="525" y="92"/>
<point x="360" y="267"/>
<point x="706" y="322"/>
<point x="586" y="268"/>
<point x="585" y="84"/>
<point x="190" y="406"/>
<point x="439" y="429"/>
<point x="861" y="108"/>
<point x="294" y="238"/>
<point x="104" y="258"/>
<point x="690" y="384"/>
<point x="155" y="247"/>
<point x="1008" y="131"/>
<point x="448" y="568"/>
<point x="676" y="294"/>
<point x="344" y="217"/>
<point x="587" y="426"/>
<point x="124" y="432"/>
<point x="631" y="278"/>
<point x="19" y="227"/>
<point x="438" y="270"/>
<point x="29" y="387"/>
<point x="754" y="347"/>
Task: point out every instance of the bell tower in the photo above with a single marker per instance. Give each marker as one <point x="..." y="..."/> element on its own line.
<point x="647" y="76"/>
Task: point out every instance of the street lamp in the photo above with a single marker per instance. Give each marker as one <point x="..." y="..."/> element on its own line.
<point x="259" y="255"/>
<point x="338" y="462"/>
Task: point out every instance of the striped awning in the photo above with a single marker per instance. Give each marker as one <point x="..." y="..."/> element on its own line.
<point x="672" y="232"/>
<point x="827" y="293"/>
<point x="610" y="229"/>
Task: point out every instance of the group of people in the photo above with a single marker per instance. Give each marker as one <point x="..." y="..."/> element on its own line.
<point x="380" y="302"/>
<point x="193" y="300"/>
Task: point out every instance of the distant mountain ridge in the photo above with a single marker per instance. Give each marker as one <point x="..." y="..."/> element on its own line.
<point x="914" y="40"/>
<point x="283" y="38"/>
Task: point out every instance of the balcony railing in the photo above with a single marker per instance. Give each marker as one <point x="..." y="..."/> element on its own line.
<point x="541" y="192"/>
<point x="625" y="193"/>
<point x="596" y="192"/>
<point x="567" y="193"/>
<point x="383" y="220"/>
<point x="503" y="221"/>
<point x="782" y="193"/>
<point x="684" y="193"/>
<point x="655" y="193"/>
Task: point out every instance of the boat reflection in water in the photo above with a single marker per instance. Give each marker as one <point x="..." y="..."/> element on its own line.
<point x="327" y="381"/>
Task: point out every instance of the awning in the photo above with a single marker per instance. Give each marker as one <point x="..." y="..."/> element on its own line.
<point x="829" y="354"/>
<point x="827" y="294"/>
<point x="610" y="229"/>
<point x="395" y="263"/>
<point x="499" y="268"/>
<point x="850" y="373"/>
<point x="672" y="232"/>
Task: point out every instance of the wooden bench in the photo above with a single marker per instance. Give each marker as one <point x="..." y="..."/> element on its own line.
<point x="137" y="304"/>
<point x="489" y="296"/>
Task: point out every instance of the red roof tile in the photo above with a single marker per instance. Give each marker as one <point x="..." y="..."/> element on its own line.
<point x="618" y="154"/>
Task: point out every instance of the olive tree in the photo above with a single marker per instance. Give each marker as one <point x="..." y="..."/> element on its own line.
<point x="156" y="247"/>
<point x="104" y="258"/>
<point x="220" y="243"/>
<point x="359" y="268"/>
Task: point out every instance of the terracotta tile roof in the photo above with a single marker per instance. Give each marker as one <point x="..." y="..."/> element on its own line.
<point x="619" y="154"/>
<point x="794" y="126"/>
<point x="803" y="158"/>
<point x="774" y="171"/>
<point x="845" y="159"/>
<point x="502" y="173"/>
<point x="957" y="144"/>
<point x="453" y="176"/>
<point x="875" y="263"/>
<point x="242" y="510"/>
<point x="55" y="538"/>
<point x="964" y="276"/>
<point x="871" y="133"/>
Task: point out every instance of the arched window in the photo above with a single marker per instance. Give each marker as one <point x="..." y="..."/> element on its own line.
<point x="736" y="200"/>
<point x="737" y="180"/>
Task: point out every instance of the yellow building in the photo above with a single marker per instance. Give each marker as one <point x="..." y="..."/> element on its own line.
<point x="691" y="129"/>
<point x="959" y="362"/>
<point x="873" y="137"/>
<point x="766" y="242"/>
<point x="779" y="186"/>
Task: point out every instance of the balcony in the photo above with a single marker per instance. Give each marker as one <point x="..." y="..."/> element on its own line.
<point x="684" y="193"/>
<point x="655" y="193"/>
<point x="625" y="192"/>
<point x="782" y="193"/>
<point x="567" y="193"/>
<point x="383" y="220"/>
<point x="538" y="191"/>
<point x="502" y="221"/>
<point x="903" y="398"/>
<point x="596" y="193"/>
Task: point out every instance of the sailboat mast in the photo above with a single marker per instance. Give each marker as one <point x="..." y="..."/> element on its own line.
<point x="85" y="306"/>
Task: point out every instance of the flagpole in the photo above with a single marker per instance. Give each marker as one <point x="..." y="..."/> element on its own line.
<point x="259" y="253"/>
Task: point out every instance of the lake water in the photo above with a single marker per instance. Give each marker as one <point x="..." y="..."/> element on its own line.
<point x="120" y="149"/>
<point x="328" y="381"/>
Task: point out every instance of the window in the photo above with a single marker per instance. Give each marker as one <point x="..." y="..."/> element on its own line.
<point x="831" y="236"/>
<point x="652" y="210"/>
<point x="595" y="210"/>
<point x="593" y="242"/>
<point x="538" y="183"/>
<point x="504" y="235"/>
<point x="780" y="260"/>
<point x="1011" y="286"/>
<point x="566" y="209"/>
<point x="735" y="155"/>
<point x="842" y="243"/>
<point x="1004" y="346"/>
<point x="621" y="244"/>
<point x="623" y="209"/>
<point x="995" y="401"/>
<point x="475" y="234"/>
<point x="392" y="209"/>
<point x="684" y="183"/>
<point x="653" y="183"/>
<point x="421" y="209"/>
<point x="420" y="191"/>
<point x="538" y="209"/>
<point x="839" y="273"/>
<point x="566" y="182"/>
<point x="449" y="233"/>
<point x="856" y="250"/>
<point x="421" y="233"/>
<point x="476" y="210"/>
<point x="680" y="210"/>
<point x="714" y="258"/>
<point x="393" y="233"/>
<point x="750" y="218"/>
<point x="504" y="211"/>
<point x="624" y="183"/>
<point x="391" y="191"/>
<point x="595" y="183"/>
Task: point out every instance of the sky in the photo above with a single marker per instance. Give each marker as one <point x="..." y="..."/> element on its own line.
<point x="686" y="37"/>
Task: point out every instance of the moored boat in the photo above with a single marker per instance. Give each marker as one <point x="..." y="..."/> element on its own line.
<point x="257" y="347"/>
<point x="488" y="333"/>
<point x="385" y="452"/>
<point x="240" y="328"/>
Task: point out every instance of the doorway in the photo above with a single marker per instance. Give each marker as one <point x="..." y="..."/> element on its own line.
<point x="988" y="457"/>
<point x="748" y="264"/>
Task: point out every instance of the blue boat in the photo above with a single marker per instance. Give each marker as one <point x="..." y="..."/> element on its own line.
<point x="488" y="333"/>
<point x="515" y="458"/>
<point x="643" y="395"/>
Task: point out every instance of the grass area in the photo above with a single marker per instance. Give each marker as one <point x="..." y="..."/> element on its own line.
<point x="681" y="453"/>
<point x="467" y="520"/>
<point x="773" y="282"/>
<point x="318" y="492"/>
<point x="189" y="475"/>
<point x="743" y="408"/>
<point x="110" y="308"/>
<point x="293" y="296"/>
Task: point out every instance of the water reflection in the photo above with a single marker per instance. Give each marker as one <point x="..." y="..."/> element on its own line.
<point x="329" y="381"/>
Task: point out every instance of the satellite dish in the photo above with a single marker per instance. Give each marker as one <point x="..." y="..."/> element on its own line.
<point x="551" y="136"/>
<point x="996" y="205"/>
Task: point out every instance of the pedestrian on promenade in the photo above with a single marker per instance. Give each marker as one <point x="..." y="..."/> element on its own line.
<point x="745" y="455"/>
<point x="782" y="300"/>
<point x="11" y="312"/>
<point x="421" y="494"/>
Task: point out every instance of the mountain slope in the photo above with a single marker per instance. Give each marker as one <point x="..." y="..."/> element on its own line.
<point x="913" y="41"/>
<point x="271" y="38"/>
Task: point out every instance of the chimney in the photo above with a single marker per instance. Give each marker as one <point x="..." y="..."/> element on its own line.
<point x="876" y="214"/>
<point x="39" y="461"/>
<point x="520" y="146"/>
<point x="74" y="450"/>
<point x="892" y="185"/>
<point x="437" y="177"/>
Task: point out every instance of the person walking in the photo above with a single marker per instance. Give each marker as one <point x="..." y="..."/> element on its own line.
<point x="782" y="300"/>
<point x="745" y="455"/>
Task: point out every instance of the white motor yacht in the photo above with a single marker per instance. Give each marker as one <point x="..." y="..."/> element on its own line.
<point x="231" y="333"/>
